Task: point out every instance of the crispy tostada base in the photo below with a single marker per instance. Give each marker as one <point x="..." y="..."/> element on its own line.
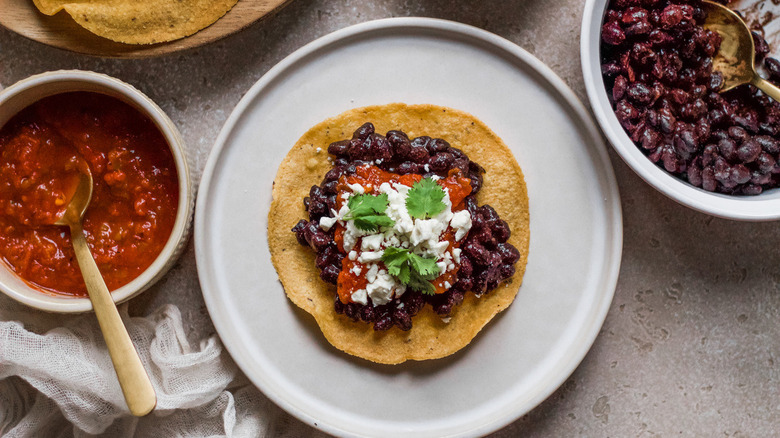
<point x="430" y="337"/>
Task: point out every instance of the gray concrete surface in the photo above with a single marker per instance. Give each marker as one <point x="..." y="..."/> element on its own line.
<point x="690" y="345"/>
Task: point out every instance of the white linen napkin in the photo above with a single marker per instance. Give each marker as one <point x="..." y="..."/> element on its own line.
<point x="57" y="381"/>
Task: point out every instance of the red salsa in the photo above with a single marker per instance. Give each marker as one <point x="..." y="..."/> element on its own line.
<point x="371" y="177"/>
<point x="134" y="202"/>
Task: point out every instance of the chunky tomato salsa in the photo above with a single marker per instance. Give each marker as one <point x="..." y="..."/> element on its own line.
<point x="370" y="178"/>
<point x="134" y="202"/>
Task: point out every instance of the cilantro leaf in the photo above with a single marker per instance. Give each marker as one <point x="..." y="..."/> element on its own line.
<point x="411" y="269"/>
<point x="372" y="222"/>
<point x="405" y="275"/>
<point x="421" y="285"/>
<point x="425" y="199"/>
<point x="368" y="212"/>
<point x="366" y="204"/>
<point x="394" y="258"/>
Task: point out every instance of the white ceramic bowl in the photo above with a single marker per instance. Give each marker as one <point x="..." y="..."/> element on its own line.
<point x="765" y="206"/>
<point x="24" y="93"/>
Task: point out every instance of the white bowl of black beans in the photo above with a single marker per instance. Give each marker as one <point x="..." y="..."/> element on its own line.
<point x="647" y="66"/>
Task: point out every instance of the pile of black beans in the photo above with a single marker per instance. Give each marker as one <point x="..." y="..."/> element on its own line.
<point x="486" y="258"/>
<point x="657" y="65"/>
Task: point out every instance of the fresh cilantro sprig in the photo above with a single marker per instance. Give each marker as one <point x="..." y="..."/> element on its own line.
<point x="424" y="199"/>
<point x="411" y="269"/>
<point x="368" y="212"/>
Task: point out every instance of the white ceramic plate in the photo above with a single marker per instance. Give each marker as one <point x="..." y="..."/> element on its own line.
<point x="576" y="232"/>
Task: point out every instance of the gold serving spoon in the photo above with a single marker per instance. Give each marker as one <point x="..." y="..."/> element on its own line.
<point x="737" y="54"/>
<point x="136" y="386"/>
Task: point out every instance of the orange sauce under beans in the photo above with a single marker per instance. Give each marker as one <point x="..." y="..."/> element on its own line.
<point x="371" y="177"/>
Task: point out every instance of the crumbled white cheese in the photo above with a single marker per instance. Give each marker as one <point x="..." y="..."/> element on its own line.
<point x="439" y="248"/>
<point x="422" y="236"/>
<point x="373" y="270"/>
<point x="360" y="296"/>
<point x="396" y="207"/>
<point x="356" y="269"/>
<point x="356" y="188"/>
<point x="456" y="255"/>
<point x="351" y="235"/>
<point x="461" y="222"/>
<point x="370" y="256"/>
<point x="381" y="289"/>
<point x="319" y="150"/>
<point x="423" y="231"/>
<point x="427" y="167"/>
<point x="327" y="222"/>
<point x="372" y="242"/>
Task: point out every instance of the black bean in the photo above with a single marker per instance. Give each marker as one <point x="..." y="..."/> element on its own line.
<point x="366" y="313"/>
<point x="708" y="181"/>
<point x="384" y="323"/>
<point x="749" y="151"/>
<point x="441" y="161"/>
<point x="299" y="233"/>
<point x="330" y="274"/>
<point x="501" y="231"/>
<point x="762" y="48"/>
<point x="364" y="131"/>
<point x="436" y="145"/>
<point x="418" y="154"/>
<point x="738" y="133"/>
<point x="740" y="174"/>
<point x="752" y="189"/>
<point x="509" y="254"/>
<point x="338" y="306"/>
<point x="325" y="257"/>
<point x="400" y="143"/>
<point x="773" y="67"/>
<point x="768" y="144"/>
<point x="765" y="163"/>
<point x="408" y="167"/>
<point x="612" y="34"/>
<point x="339" y="148"/>
<point x="477" y="252"/>
<point x="402" y="319"/>
<point x="694" y="176"/>
<point x="728" y="149"/>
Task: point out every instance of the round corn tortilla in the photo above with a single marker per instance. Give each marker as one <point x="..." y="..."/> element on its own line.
<point x="430" y="337"/>
<point x="140" y="21"/>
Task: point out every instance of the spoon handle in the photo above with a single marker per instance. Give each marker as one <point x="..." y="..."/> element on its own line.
<point x="136" y="386"/>
<point x="767" y="87"/>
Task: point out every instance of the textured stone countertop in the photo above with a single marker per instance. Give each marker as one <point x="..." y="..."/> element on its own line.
<point x="691" y="341"/>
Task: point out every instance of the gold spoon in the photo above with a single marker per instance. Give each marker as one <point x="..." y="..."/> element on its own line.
<point x="136" y="386"/>
<point x="737" y="54"/>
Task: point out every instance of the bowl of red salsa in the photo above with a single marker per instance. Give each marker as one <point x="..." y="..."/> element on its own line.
<point x="140" y="214"/>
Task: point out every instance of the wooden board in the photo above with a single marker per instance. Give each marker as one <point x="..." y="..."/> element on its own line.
<point x="22" y="17"/>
